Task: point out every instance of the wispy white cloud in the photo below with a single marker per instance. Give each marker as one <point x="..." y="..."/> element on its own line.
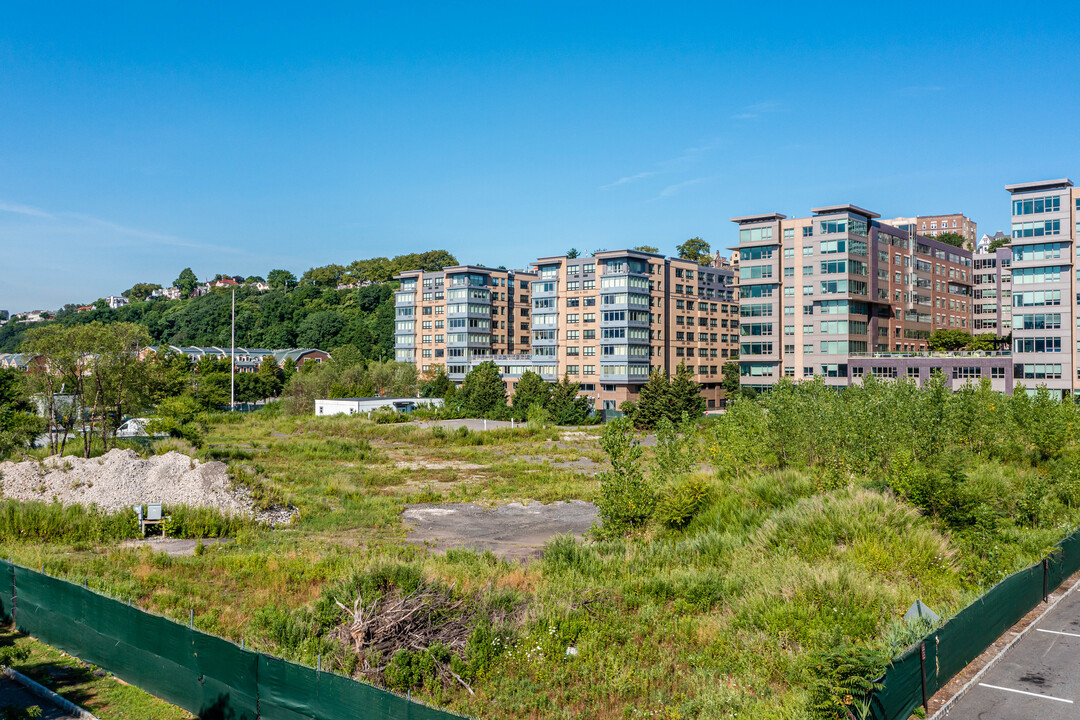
<point x="757" y="109"/>
<point x="630" y="179"/>
<point x="677" y="188"/>
<point x="116" y="229"/>
<point x="686" y="157"/>
<point x="23" y="210"/>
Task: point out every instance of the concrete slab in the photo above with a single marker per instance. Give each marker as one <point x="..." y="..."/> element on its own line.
<point x="513" y="531"/>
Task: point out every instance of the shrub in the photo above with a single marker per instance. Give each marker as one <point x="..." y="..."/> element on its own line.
<point x="626" y="498"/>
<point x="842" y="677"/>
<point x="679" y="501"/>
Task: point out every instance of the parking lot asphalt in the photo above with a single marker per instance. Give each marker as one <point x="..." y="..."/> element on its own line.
<point x="1039" y="677"/>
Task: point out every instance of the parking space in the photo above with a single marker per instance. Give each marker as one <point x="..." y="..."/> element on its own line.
<point x="1038" y="678"/>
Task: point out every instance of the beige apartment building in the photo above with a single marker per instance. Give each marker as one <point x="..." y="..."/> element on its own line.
<point x="820" y="290"/>
<point x="605" y="321"/>
<point x="461" y="316"/>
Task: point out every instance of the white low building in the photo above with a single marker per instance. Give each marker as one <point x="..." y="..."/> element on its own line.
<point x="355" y="406"/>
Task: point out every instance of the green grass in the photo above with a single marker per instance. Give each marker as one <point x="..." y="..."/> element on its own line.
<point x="721" y="618"/>
<point x="106" y="697"/>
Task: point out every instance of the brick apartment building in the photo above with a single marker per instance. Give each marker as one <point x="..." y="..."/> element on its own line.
<point x="842" y="294"/>
<point x="604" y="321"/>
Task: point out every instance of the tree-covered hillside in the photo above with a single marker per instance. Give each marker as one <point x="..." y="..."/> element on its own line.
<point x="311" y="314"/>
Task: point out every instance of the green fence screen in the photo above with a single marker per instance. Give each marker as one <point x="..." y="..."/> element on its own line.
<point x="201" y="673"/>
<point x="966" y="635"/>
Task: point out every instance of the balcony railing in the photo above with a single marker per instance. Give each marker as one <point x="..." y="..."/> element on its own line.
<point x="934" y="354"/>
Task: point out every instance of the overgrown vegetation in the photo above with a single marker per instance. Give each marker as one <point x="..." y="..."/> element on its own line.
<point x="753" y="565"/>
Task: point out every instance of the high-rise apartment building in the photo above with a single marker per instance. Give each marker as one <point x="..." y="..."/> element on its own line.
<point x="604" y="321"/>
<point x="992" y="302"/>
<point x="892" y="295"/>
<point x="461" y="316"/>
<point x="1044" y="228"/>
<point x="817" y="291"/>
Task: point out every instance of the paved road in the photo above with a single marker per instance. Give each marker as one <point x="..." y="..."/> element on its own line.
<point x="1038" y="678"/>
<point x="14" y="694"/>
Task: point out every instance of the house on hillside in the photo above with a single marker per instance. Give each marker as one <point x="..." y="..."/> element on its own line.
<point x="23" y="362"/>
<point x="116" y="301"/>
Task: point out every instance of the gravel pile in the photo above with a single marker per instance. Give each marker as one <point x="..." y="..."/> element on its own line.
<point x="120" y="479"/>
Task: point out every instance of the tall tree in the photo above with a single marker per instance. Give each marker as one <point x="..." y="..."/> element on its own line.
<point x="186" y="283"/>
<point x="730" y="383"/>
<point x="685" y="396"/>
<point x="18" y="423"/>
<point x="482" y="390"/>
<point x="653" y="400"/>
<point x="140" y="291"/>
<point x="1000" y="243"/>
<point x="530" y="390"/>
<point x="565" y="405"/>
<point x="572" y="253"/>
<point x="281" y="279"/>
<point x="695" y="249"/>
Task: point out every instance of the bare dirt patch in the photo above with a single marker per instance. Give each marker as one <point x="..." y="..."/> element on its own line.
<point x="175" y="547"/>
<point x="513" y="531"/>
<point x="422" y="464"/>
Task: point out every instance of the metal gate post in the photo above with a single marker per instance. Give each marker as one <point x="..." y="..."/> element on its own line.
<point x="922" y="669"/>
<point x="1046" y="579"/>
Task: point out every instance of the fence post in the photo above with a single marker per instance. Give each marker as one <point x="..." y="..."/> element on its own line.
<point x="922" y="669"/>
<point x="1046" y="579"/>
<point x="191" y="618"/>
<point x="14" y="595"/>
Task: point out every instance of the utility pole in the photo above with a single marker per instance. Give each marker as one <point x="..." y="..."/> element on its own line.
<point x="232" y="358"/>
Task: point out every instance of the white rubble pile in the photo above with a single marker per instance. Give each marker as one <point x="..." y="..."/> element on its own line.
<point x="120" y="479"/>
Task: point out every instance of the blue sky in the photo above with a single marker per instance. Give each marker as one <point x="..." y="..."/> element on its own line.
<point x="138" y="139"/>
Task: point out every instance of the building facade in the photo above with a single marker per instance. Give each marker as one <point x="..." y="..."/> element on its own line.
<point x="818" y="290"/>
<point x="883" y="286"/>
<point x="604" y="321"/>
<point x="1044" y="293"/>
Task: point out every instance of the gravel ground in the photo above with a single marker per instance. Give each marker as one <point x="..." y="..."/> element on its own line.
<point x="120" y="479"/>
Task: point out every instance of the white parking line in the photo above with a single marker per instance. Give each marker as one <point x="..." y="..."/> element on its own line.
<point x="1024" y="692"/>
<point x="1057" y="632"/>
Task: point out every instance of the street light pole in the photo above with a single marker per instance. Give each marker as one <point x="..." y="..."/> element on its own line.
<point x="232" y="358"/>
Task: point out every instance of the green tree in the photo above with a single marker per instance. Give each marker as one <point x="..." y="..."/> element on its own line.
<point x="695" y="249"/>
<point x="253" y="279"/>
<point x="186" y="283"/>
<point x="646" y="248"/>
<point x="684" y="394"/>
<point x="573" y="253"/>
<point x="436" y="383"/>
<point x="626" y="499"/>
<point x="951" y="238"/>
<point x="730" y="383"/>
<point x="140" y="291"/>
<point x="326" y="276"/>
<point x="18" y="423"/>
<point x="530" y="390"/>
<point x="271" y="376"/>
<point x="948" y="340"/>
<point x="483" y="390"/>
<point x="281" y="279"/>
<point x="653" y="400"/>
<point x="1000" y="243"/>
<point x="565" y="405"/>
